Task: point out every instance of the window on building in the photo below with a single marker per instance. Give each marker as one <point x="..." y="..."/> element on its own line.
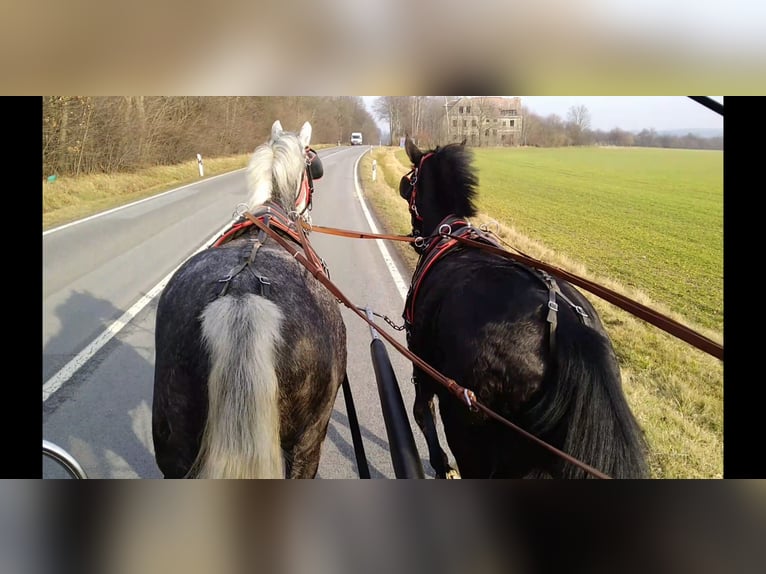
<point x="502" y="138"/>
<point x="503" y="123"/>
<point x="513" y="122"/>
<point x="465" y="123"/>
<point x="454" y="123"/>
<point x="513" y="112"/>
<point x="468" y="109"/>
<point x="473" y="123"/>
<point x="486" y="133"/>
<point x="494" y="132"/>
<point x="461" y="109"/>
<point x="494" y="121"/>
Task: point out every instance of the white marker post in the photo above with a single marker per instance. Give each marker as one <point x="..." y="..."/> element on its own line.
<point x="199" y="163"/>
<point x="374" y="169"/>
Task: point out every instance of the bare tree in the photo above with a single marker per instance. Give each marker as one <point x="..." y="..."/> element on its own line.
<point x="578" y="123"/>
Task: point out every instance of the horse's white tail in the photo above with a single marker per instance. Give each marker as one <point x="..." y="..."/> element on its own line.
<point x="241" y="437"/>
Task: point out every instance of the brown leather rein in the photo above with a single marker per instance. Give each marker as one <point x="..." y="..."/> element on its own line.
<point x="315" y="267"/>
<point x="635" y="308"/>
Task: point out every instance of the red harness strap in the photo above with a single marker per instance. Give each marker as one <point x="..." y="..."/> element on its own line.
<point x="436" y="248"/>
<point x="269" y="213"/>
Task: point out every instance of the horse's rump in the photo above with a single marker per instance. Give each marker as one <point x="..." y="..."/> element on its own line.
<point x="272" y="320"/>
<point x="482" y="320"/>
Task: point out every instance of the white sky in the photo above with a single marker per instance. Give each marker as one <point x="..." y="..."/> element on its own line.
<point x="627" y="112"/>
<point x="631" y="112"/>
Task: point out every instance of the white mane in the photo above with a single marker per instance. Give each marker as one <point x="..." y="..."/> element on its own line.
<point x="276" y="168"/>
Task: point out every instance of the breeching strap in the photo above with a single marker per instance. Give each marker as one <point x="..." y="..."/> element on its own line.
<point x="466" y="396"/>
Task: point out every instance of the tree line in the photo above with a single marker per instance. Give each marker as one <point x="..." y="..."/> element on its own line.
<point x="109" y="134"/>
<point x="426" y="119"/>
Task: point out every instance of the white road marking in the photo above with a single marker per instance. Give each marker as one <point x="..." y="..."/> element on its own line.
<point x="392" y="269"/>
<point x="134" y="203"/>
<point x="67" y="371"/>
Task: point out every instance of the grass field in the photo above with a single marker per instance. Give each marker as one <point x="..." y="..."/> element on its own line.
<point x="645" y="222"/>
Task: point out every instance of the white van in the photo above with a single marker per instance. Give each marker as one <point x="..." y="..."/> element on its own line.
<point x="356" y="138"/>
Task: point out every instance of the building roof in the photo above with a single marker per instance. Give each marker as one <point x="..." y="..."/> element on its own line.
<point x="496" y="101"/>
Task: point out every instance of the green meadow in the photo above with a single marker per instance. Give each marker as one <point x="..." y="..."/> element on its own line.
<point x="645" y="222"/>
<point x="650" y="219"/>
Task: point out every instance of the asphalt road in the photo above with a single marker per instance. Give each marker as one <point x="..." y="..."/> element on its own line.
<point x="101" y="279"/>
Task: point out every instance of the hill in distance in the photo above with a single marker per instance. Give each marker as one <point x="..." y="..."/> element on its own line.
<point x="699" y="132"/>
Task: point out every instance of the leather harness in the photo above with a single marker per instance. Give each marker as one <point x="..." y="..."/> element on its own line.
<point x="447" y="240"/>
<point x="274" y="217"/>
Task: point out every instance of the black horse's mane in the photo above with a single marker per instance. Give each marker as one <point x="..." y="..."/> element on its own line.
<point x="457" y="178"/>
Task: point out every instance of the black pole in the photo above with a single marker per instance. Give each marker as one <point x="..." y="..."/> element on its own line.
<point x="709" y="103"/>
<point x="356" y="435"/>
<point x="404" y="453"/>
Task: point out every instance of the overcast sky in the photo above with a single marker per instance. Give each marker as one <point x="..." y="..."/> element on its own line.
<point x="628" y="112"/>
<point x="631" y="112"/>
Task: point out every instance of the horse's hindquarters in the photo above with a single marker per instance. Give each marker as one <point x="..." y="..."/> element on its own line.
<point x="488" y="326"/>
<point x="245" y="372"/>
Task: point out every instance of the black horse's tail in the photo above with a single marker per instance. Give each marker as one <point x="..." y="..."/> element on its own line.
<point x="585" y="407"/>
<point x="241" y="436"/>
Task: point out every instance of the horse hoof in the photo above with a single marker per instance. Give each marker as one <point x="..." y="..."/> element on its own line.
<point x="453" y="474"/>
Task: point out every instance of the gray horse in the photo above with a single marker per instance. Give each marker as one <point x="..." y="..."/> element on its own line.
<point x="250" y="347"/>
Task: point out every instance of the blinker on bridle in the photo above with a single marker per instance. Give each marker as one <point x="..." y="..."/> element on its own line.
<point x="408" y="187"/>
<point x="314" y="170"/>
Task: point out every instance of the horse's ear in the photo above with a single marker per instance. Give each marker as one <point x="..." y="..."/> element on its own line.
<point x="464" y="140"/>
<point x="276" y="131"/>
<point x="305" y="135"/>
<point x="412" y="151"/>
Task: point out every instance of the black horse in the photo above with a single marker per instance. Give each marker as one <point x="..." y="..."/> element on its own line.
<point x="529" y="346"/>
<point x="250" y="347"/>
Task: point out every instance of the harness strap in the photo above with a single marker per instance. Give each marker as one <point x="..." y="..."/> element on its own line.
<point x="552" y="319"/>
<point x="272" y="216"/>
<point x="257" y="243"/>
<point x="448" y="232"/>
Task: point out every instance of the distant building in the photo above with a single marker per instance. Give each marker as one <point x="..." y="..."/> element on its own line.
<point x="485" y="120"/>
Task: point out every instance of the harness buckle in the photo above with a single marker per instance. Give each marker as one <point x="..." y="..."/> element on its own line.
<point x="581" y="312"/>
<point x="553" y="306"/>
<point x="265" y="286"/>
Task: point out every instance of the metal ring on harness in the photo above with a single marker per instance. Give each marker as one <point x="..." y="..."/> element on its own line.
<point x="419" y="241"/>
<point x="240" y="210"/>
<point x="449" y="229"/>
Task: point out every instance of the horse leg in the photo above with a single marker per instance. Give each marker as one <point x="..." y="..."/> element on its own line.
<point x="467" y="442"/>
<point x="302" y="461"/>
<point x="423" y="411"/>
